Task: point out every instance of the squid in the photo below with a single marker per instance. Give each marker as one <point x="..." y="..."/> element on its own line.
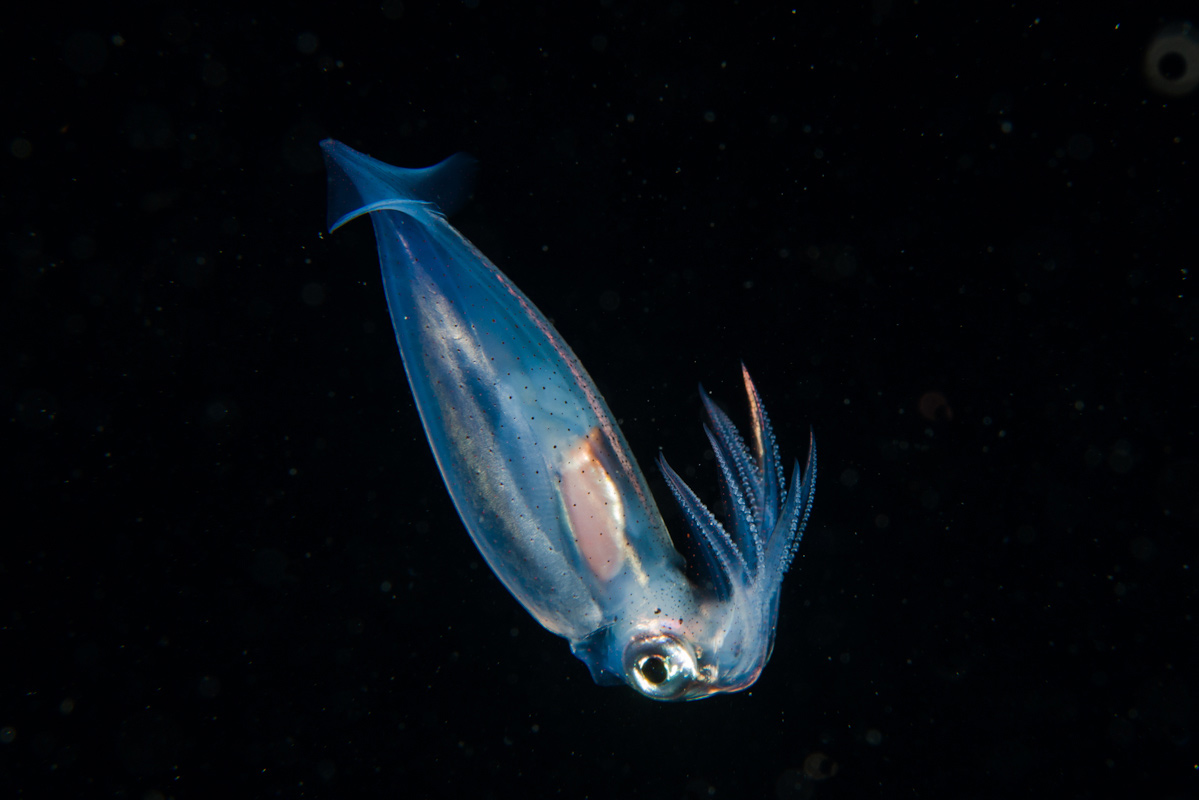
<point x="541" y="475"/>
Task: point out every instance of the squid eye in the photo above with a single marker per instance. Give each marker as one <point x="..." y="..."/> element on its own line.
<point x="660" y="667"/>
<point x="653" y="669"/>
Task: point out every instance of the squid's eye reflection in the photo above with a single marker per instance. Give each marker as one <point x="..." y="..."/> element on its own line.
<point x="663" y="667"/>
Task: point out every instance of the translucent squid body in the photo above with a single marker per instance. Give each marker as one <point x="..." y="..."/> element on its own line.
<point x="543" y="478"/>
